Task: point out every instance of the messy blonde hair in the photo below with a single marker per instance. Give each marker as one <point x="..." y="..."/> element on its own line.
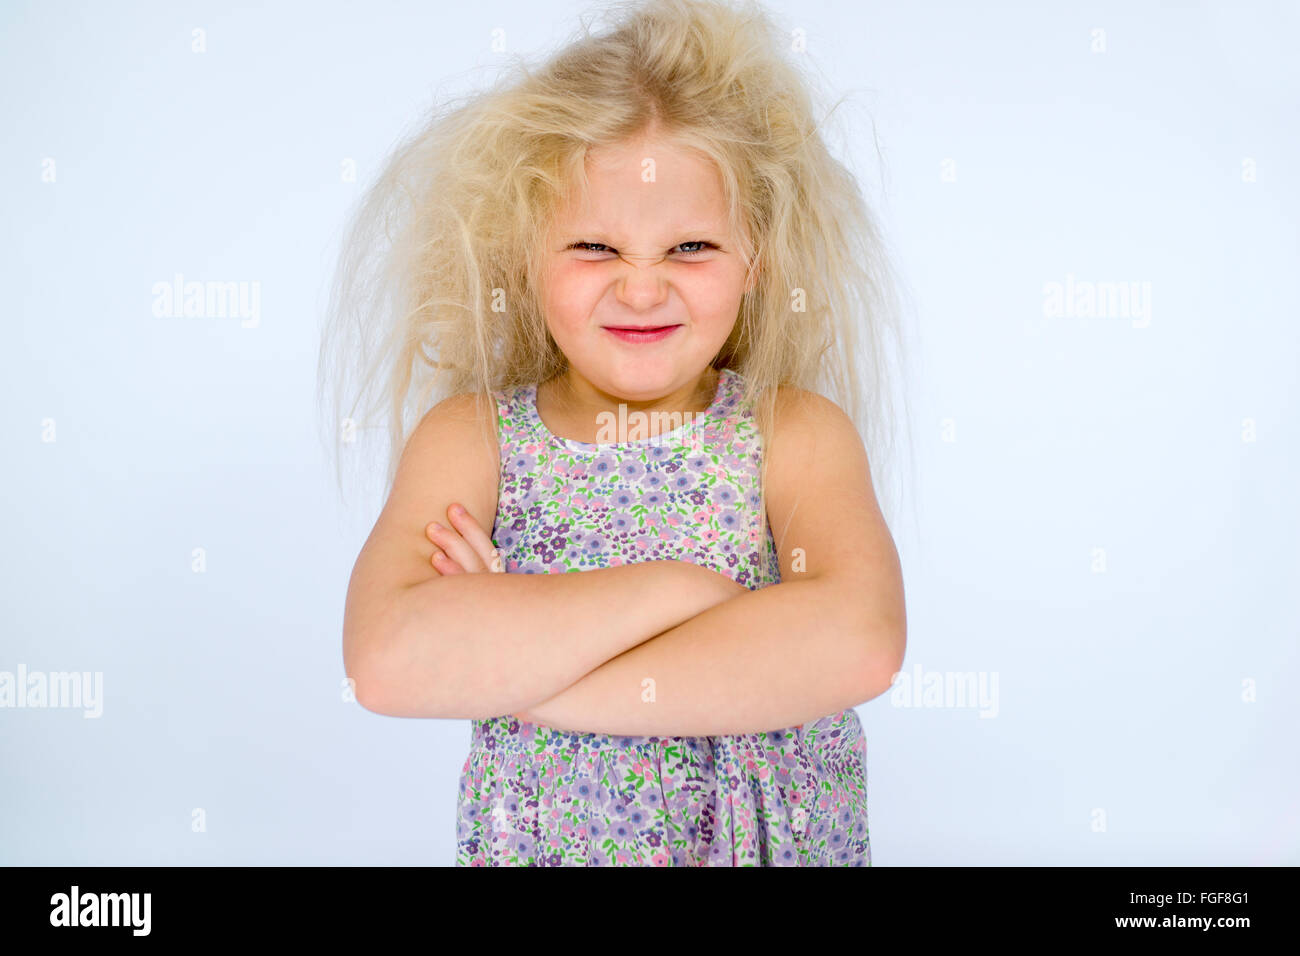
<point x="455" y="225"/>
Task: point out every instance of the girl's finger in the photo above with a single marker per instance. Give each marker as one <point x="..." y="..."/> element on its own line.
<point x="443" y="564"/>
<point x="454" y="549"/>
<point x="475" y="537"/>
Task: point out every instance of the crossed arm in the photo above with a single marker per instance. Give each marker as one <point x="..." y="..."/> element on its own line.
<point x="776" y="657"/>
<point x="828" y="637"/>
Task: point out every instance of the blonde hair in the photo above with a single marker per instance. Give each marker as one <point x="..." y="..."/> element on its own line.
<point x="454" y="226"/>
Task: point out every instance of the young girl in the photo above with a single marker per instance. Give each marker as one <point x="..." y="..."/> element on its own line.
<point x="627" y="276"/>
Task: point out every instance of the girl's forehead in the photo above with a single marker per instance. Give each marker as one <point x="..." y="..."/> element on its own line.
<point x="684" y="209"/>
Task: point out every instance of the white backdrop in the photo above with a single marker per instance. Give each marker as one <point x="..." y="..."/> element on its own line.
<point x="1102" y="525"/>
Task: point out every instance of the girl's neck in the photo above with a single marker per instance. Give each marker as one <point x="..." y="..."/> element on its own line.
<point x="569" y="405"/>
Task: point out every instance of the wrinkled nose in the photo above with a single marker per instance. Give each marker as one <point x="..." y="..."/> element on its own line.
<point x="633" y="260"/>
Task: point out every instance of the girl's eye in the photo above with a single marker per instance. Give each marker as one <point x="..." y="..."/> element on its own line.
<point x="588" y="246"/>
<point x="704" y="245"/>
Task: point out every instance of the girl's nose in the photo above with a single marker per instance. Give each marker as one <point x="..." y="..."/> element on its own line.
<point x="633" y="260"/>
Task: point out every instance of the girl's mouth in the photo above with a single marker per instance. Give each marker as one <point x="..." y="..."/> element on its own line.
<point x="642" y="334"/>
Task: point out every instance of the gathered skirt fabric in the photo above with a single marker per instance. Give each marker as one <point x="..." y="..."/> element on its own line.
<point x="532" y="795"/>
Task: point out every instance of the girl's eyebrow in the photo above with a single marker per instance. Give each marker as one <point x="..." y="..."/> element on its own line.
<point x="695" y="232"/>
<point x="696" y="225"/>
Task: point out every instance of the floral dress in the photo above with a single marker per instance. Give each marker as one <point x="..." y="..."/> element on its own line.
<point x="533" y="795"/>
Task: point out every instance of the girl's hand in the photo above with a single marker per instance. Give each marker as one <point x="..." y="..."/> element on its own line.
<point x="464" y="547"/>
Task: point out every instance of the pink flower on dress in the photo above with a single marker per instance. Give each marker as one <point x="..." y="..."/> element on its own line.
<point x="642" y="543"/>
<point x="615" y="561"/>
<point x="709" y="535"/>
<point x="661" y="859"/>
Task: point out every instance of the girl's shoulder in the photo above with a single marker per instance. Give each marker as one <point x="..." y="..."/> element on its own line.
<point x="798" y="408"/>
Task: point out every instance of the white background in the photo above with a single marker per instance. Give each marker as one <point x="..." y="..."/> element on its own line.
<point x="1085" y="521"/>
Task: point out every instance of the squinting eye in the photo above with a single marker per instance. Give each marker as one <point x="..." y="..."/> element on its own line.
<point x="697" y="242"/>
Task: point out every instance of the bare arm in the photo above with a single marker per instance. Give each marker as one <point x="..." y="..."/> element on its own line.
<point x="470" y="646"/>
<point x="773" y="658"/>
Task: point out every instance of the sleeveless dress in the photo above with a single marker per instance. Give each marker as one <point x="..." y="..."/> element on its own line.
<point x="532" y="795"/>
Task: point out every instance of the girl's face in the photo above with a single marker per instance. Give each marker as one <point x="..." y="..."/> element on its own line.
<point x="652" y="249"/>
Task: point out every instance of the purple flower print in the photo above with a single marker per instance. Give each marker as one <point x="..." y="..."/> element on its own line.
<point x="631" y="469"/>
<point x="653" y="499"/>
<point x="682" y="481"/>
<point x="604" y="466"/>
<point x="623" y="498"/>
<point x="723" y="494"/>
<point x="521" y="844"/>
<point x="521" y="462"/>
